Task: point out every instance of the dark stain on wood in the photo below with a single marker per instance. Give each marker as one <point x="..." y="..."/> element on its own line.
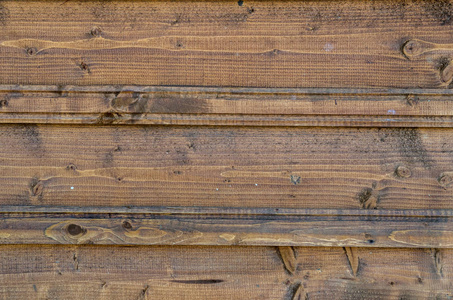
<point x="442" y="10"/>
<point x="199" y="281"/>
<point x="174" y="105"/>
<point x="295" y="292"/>
<point x="411" y="147"/>
<point x="368" y="198"/>
<point x="4" y="14"/>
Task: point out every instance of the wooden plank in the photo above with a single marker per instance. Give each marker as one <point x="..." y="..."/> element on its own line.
<point x="217" y="43"/>
<point x="369" y="228"/>
<point x="247" y="101"/>
<point x="225" y="106"/>
<point x="276" y="167"/>
<point x="228" y="120"/>
<point x="76" y="272"/>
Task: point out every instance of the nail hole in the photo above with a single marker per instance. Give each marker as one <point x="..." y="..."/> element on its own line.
<point x="83" y="66"/>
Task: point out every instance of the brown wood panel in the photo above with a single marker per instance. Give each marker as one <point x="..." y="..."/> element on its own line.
<point x="405" y="44"/>
<point x="278" y="88"/>
<point x="215" y="100"/>
<point x="226" y="166"/>
<point x="227" y="226"/>
<point x="76" y="272"/>
<point x="153" y="105"/>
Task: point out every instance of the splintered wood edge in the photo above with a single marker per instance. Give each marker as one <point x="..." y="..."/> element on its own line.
<point x="222" y="106"/>
<point x="227" y="226"/>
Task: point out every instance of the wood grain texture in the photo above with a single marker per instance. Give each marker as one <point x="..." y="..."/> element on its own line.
<point x="88" y="272"/>
<point x="271" y="91"/>
<point x="147" y="105"/>
<point x="222" y="226"/>
<point x="404" y="44"/>
<point x="273" y="167"/>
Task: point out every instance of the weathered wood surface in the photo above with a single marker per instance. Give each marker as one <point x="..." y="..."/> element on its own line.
<point x="221" y="226"/>
<point x="143" y="105"/>
<point x="403" y="44"/>
<point x="257" y="80"/>
<point x="275" y="167"/>
<point x="88" y="272"/>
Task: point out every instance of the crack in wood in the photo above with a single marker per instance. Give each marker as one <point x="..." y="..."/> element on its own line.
<point x="296" y="291"/>
<point x="288" y="256"/>
<point x="143" y="293"/>
<point x="436" y="255"/>
<point x="353" y="259"/>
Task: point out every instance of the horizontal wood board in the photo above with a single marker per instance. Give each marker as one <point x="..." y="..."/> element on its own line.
<point x="339" y="168"/>
<point x="343" y="44"/>
<point x="106" y="272"/>
<point x="157" y="105"/>
<point x="220" y="226"/>
<point x="146" y="146"/>
<point x="224" y="104"/>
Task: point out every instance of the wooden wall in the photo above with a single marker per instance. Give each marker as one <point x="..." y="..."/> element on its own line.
<point x="226" y="149"/>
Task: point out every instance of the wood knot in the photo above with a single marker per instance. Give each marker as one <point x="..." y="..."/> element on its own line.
<point x="368" y="198"/>
<point x="445" y="67"/>
<point x="31" y="51"/>
<point x="403" y="172"/>
<point x="445" y="180"/>
<point x="446" y="73"/>
<point x="3" y="103"/>
<point x="108" y="118"/>
<point x="75" y="230"/>
<point x="127" y="225"/>
<point x="71" y="167"/>
<point x="37" y="188"/>
<point x="412" y="48"/>
<point x="84" y="67"/>
<point x="412" y="100"/>
<point x="95" y="31"/>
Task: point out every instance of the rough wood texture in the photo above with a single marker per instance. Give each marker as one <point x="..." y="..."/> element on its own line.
<point x="241" y="89"/>
<point x="217" y="226"/>
<point x="404" y="44"/>
<point x="88" y="272"/>
<point x="142" y="105"/>
<point x="226" y="166"/>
